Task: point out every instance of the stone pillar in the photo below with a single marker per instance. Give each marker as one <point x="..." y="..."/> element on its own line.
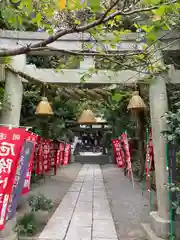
<point x="14" y="92"/>
<point x="158" y="107"/>
<point x="88" y="61"/>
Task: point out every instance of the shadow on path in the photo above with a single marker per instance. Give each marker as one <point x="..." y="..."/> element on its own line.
<point x="129" y="208"/>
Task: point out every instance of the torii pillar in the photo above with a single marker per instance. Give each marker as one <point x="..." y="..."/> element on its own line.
<point x="158" y="107"/>
<point x="14" y="92"/>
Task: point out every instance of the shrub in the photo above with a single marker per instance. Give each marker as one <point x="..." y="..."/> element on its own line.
<point x="40" y="202"/>
<point x="27" y="225"/>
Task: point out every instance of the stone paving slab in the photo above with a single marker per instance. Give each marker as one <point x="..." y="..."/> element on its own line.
<point x="104" y="229"/>
<point x="105" y="239"/>
<point x="79" y="233"/>
<point x="101" y="214"/>
<point x="84" y="213"/>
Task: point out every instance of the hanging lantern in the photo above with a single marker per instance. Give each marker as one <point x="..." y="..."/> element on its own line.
<point x="136" y="103"/>
<point x="87" y="117"/>
<point x="44" y="107"/>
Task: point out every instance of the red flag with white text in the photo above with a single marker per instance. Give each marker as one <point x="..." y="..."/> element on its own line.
<point x="118" y="152"/>
<point x="61" y="154"/>
<point x="67" y="154"/>
<point x="125" y="143"/>
<point x="11" y="142"/>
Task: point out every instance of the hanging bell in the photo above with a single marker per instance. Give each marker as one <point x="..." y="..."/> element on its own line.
<point x="44" y="107"/>
<point x="136" y="103"/>
<point x="87" y="116"/>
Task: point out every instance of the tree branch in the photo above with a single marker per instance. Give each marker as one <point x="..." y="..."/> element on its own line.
<point x="86" y="53"/>
<point x="103" y="19"/>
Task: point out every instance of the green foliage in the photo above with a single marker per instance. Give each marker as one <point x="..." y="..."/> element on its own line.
<point x="80" y="17"/>
<point x="60" y="62"/>
<point x="178" y="165"/>
<point x="27" y="225"/>
<point x="49" y="126"/>
<point x="95" y="106"/>
<point x="4" y="100"/>
<point x="172" y="133"/>
<point x="175" y="204"/>
<point x="116" y="112"/>
<point x="40" y="202"/>
<point x="178" y="159"/>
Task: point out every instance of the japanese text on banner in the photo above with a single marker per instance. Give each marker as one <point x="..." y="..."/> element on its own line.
<point x="11" y="141"/>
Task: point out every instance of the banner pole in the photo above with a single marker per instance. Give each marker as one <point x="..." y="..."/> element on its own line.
<point x="169" y="193"/>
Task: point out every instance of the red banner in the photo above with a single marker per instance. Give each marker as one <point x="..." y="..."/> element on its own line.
<point x="149" y="158"/>
<point x="39" y="162"/>
<point x="46" y="158"/>
<point x="60" y="154"/>
<point x="125" y="143"/>
<point x="67" y="154"/>
<point x="53" y="155"/>
<point x="118" y="152"/>
<point x="11" y="141"/>
<point x="43" y="156"/>
<point x="31" y="137"/>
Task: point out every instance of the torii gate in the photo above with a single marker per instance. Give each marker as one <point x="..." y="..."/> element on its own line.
<point x="157" y="93"/>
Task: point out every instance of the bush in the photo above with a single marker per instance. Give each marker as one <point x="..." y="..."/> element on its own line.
<point x="40" y="202"/>
<point x="27" y="225"/>
<point x="178" y="165"/>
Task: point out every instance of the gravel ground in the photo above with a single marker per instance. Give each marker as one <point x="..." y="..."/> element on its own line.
<point x="129" y="208"/>
<point x="54" y="187"/>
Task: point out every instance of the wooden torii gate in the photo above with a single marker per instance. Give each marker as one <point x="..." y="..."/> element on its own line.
<point x="75" y="42"/>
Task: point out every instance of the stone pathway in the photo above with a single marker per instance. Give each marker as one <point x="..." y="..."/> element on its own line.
<point x="84" y="213"/>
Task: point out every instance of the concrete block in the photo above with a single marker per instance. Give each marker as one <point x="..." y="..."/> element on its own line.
<point x="78" y="221"/>
<point x="79" y="180"/>
<point x="104" y="229"/>
<point x="70" y="199"/>
<point x="85" y="189"/>
<point x="84" y="206"/>
<point x="99" y="187"/>
<point x="79" y="233"/>
<point x="101" y="214"/>
<point x="76" y="187"/>
<point x="85" y="197"/>
<point x="149" y="232"/>
<point x="104" y="239"/>
<point x="160" y="226"/>
<point x="82" y="216"/>
<point x="101" y="204"/>
<point x="64" y="213"/>
<point x="55" y="230"/>
<point x="100" y="194"/>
